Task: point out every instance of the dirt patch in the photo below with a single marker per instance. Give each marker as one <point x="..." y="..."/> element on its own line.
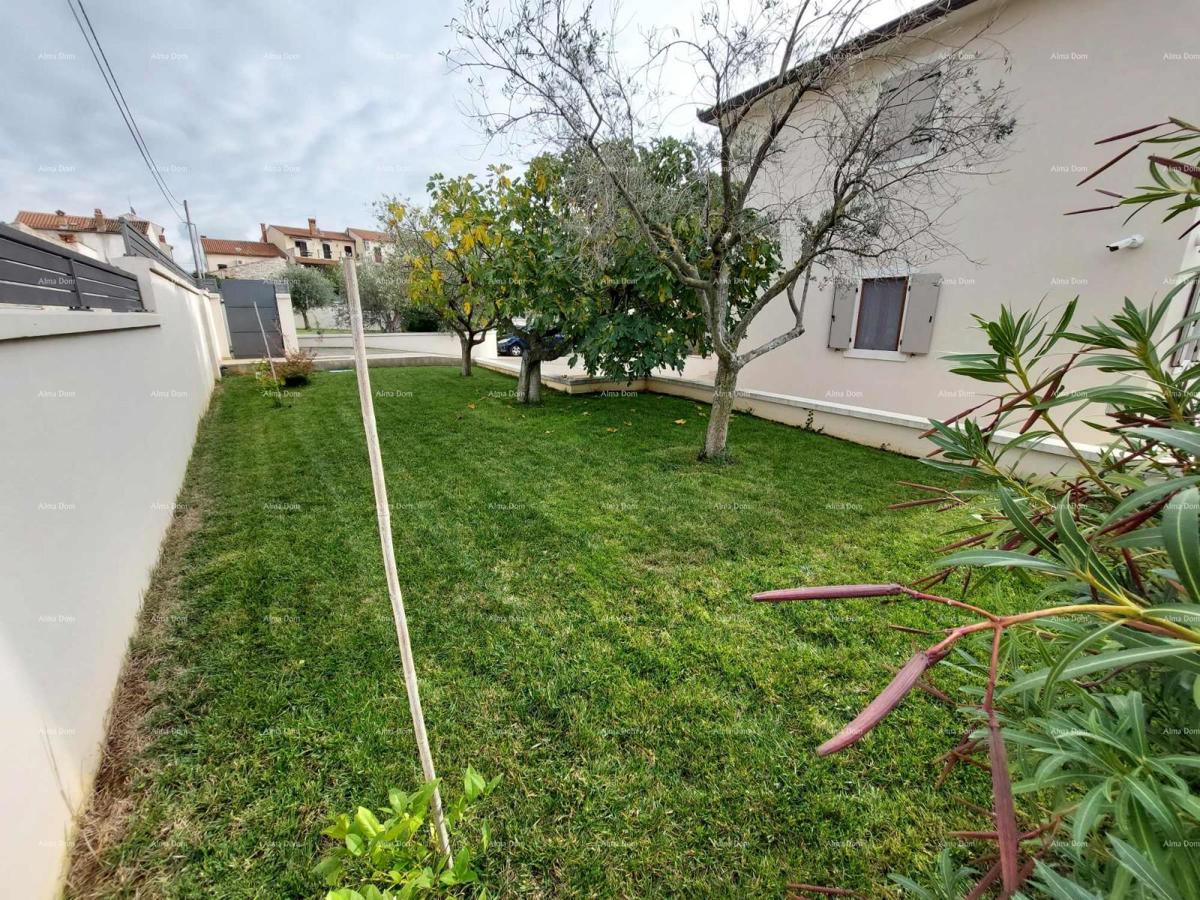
<point x="102" y="823"/>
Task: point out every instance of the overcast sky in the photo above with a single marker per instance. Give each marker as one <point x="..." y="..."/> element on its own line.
<point x="255" y="110"/>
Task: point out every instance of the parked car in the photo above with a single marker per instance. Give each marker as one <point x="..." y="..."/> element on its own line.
<point x="510" y="346"/>
<point x="514" y="345"/>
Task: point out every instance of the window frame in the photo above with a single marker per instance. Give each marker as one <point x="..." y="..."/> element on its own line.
<point x="933" y="67"/>
<point x="1189" y="353"/>
<point x="856" y="352"/>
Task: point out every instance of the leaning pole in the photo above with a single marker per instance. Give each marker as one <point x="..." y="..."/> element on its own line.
<point x="383" y="515"/>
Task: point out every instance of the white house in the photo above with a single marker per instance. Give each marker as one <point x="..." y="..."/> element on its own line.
<point x="869" y="366"/>
<point x="97" y="235"/>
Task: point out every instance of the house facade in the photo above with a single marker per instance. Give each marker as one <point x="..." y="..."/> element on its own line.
<point x="870" y="364"/>
<point x="224" y="256"/>
<point x="310" y="246"/>
<point x="97" y="235"/>
<point x="371" y="246"/>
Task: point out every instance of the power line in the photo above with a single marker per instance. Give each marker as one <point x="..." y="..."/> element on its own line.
<point x="121" y="93"/>
<point x="114" y="89"/>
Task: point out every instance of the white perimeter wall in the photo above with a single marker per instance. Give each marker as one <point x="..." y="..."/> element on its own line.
<point x="98" y="426"/>
<point x="439" y="342"/>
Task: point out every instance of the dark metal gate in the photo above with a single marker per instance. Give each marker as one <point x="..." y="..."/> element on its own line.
<point x="241" y="298"/>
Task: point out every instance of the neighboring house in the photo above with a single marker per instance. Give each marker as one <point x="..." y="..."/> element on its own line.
<point x="222" y="255"/>
<point x="372" y="246"/>
<point x="310" y="246"/>
<point x="97" y="235"/>
<point x="870" y="365"/>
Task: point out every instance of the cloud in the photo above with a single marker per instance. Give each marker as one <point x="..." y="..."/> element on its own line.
<point x="265" y="112"/>
<point x="271" y="111"/>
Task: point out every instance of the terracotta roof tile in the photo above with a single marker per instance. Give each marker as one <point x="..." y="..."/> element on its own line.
<point x="368" y="235"/>
<point x="43" y="221"/>
<point x="305" y="233"/>
<point x="224" y="247"/>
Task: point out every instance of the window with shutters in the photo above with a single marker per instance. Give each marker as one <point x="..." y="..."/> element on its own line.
<point x="884" y="317"/>
<point x="908" y="102"/>
<point x="880" y="313"/>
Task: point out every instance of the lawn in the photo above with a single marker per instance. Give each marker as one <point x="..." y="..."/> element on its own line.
<point x="578" y="592"/>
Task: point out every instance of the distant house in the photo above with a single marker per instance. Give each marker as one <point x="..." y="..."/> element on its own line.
<point x="226" y="255"/>
<point x="310" y="246"/>
<point x="97" y="235"/>
<point x="282" y="245"/>
<point x="372" y="246"/>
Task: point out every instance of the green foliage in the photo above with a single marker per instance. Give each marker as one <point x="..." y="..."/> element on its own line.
<point x="1097" y="682"/>
<point x="640" y="317"/>
<point x="539" y="279"/>
<point x="383" y="293"/>
<point x="310" y="288"/>
<point x="447" y="253"/>
<point x="397" y="858"/>
<point x="1176" y="175"/>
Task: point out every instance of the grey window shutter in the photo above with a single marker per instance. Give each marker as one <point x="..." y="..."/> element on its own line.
<point x="841" y="324"/>
<point x="908" y="103"/>
<point x="917" y="334"/>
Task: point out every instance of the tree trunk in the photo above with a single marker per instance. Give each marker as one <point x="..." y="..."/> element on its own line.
<point x="529" y="382"/>
<point x="465" y="343"/>
<point x="304" y="316"/>
<point x="533" y="382"/>
<point x="724" y="388"/>
<point x="523" y="381"/>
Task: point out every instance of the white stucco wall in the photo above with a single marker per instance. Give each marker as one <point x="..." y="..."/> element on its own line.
<point x="1080" y="70"/>
<point x="99" y="429"/>
<point x="440" y="342"/>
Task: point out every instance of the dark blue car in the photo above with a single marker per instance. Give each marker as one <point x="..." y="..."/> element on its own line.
<point x="516" y="346"/>
<point x="510" y="346"/>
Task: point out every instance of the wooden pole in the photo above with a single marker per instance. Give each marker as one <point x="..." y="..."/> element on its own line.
<point x="383" y="514"/>
<point x="267" y="347"/>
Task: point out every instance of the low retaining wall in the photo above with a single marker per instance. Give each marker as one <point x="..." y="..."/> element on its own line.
<point x="875" y="428"/>
<point x="440" y="342"/>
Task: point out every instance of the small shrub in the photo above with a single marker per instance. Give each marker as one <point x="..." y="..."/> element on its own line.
<point x="398" y="858"/>
<point x="296" y="368"/>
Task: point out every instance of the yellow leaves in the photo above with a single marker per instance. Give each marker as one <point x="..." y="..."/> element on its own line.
<point x="542" y="182"/>
<point x="470" y="406"/>
<point x="681" y="421"/>
<point x="432" y="238"/>
<point x="611" y="430"/>
<point x="467" y="308"/>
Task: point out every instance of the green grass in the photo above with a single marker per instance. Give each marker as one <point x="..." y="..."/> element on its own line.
<point x="578" y="592"/>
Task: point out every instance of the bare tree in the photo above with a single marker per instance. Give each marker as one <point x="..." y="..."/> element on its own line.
<point x="844" y="144"/>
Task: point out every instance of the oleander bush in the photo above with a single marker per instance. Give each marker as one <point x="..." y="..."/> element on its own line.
<point x="1084" y="707"/>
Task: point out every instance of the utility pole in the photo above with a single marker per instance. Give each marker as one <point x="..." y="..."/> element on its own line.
<point x="194" y="242"/>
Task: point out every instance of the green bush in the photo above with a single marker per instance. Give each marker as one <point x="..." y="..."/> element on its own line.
<point x="1085" y="707"/>
<point x="397" y="858"/>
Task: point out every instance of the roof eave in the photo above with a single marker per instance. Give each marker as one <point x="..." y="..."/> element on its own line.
<point x="910" y="21"/>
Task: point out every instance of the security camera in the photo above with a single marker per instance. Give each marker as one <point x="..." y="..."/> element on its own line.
<point x="1127" y="243"/>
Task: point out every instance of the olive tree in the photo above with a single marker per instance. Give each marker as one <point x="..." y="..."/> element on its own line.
<point x="847" y="146"/>
<point x="309" y="289"/>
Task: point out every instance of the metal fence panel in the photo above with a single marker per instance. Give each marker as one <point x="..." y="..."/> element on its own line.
<point x="36" y="273"/>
